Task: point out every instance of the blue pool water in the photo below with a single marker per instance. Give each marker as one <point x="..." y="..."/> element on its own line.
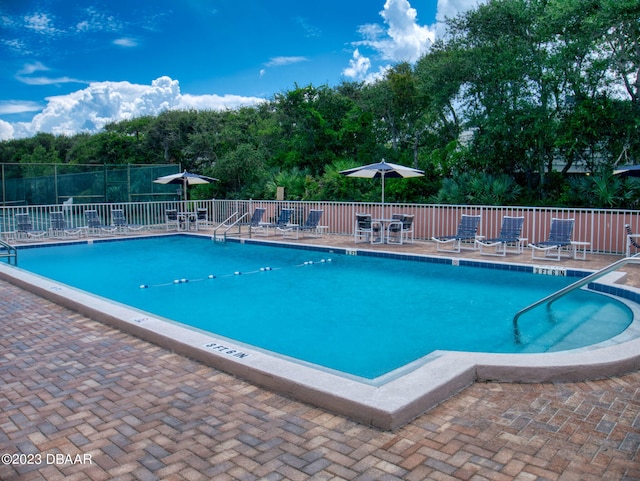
<point x="359" y="315"/>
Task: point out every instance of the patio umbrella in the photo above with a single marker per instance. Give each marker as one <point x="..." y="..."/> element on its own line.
<point x="382" y="169"/>
<point x="628" y="171"/>
<point x="185" y="179"/>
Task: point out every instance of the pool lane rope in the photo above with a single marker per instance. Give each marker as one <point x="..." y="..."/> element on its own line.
<point x="234" y="274"/>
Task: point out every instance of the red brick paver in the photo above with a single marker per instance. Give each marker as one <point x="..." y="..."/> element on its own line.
<point x="71" y="386"/>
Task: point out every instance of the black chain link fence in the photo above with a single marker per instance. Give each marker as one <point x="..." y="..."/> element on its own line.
<point x="44" y="184"/>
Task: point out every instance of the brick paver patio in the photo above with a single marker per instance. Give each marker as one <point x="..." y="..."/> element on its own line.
<point x="83" y="401"/>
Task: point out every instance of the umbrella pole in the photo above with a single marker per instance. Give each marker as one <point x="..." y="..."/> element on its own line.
<point x="382" y="175"/>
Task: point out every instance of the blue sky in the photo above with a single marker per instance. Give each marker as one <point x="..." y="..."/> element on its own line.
<point x="71" y="66"/>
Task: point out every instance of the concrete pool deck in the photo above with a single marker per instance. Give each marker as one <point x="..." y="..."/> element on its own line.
<point x="55" y="357"/>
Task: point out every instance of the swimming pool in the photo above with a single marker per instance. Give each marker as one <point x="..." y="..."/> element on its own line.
<point x="386" y="402"/>
<point x="362" y="316"/>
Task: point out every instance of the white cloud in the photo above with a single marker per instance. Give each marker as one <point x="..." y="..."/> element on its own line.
<point x="373" y="77"/>
<point x="96" y="20"/>
<point x="310" y="30"/>
<point x="40" y="23"/>
<point x="452" y="8"/>
<point x="90" y="109"/>
<point x="30" y="68"/>
<point x="16" y="45"/>
<point x="6" y="130"/>
<point x="49" y="80"/>
<point x="216" y="102"/>
<point x="25" y="75"/>
<point x="403" y="40"/>
<point x="408" y="41"/>
<point x="280" y="61"/>
<point x="358" y="66"/>
<point x="18" y="107"/>
<point x="125" y="42"/>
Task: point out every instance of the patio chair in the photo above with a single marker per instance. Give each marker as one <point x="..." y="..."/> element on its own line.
<point x="283" y="220"/>
<point x="202" y="218"/>
<point x="631" y="239"/>
<point x="467" y="231"/>
<point x="367" y="229"/>
<point x="255" y="224"/>
<point x="25" y="229"/>
<point x="95" y="225"/>
<point x="559" y="237"/>
<point x="59" y="227"/>
<point x="7" y="235"/>
<point x="402" y="230"/>
<point x="120" y="222"/>
<point x="311" y="225"/>
<point x="171" y="220"/>
<point x="510" y="235"/>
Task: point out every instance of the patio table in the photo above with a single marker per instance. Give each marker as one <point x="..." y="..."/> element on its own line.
<point x="187" y="220"/>
<point x="386" y="224"/>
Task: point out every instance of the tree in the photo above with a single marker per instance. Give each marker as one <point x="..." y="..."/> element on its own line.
<point x="538" y="82"/>
<point x="508" y="87"/>
<point x="530" y="89"/>
<point x="168" y="137"/>
<point x="310" y="119"/>
<point x="241" y="173"/>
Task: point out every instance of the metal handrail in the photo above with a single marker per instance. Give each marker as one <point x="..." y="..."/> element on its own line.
<point x="11" y="252"/>
<point x="228" y="227"/>
<point x="224" y="223"/>
<point x="571" y="287"/>
<point x="235" y="222"/>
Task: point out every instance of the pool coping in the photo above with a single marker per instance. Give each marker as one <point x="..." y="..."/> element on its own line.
<point x="387" y="405"/>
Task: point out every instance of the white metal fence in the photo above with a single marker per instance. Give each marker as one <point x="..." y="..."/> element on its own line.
<point x="603" y="229"/>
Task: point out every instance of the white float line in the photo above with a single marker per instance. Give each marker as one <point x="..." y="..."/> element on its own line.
<point x="235" y="274"/>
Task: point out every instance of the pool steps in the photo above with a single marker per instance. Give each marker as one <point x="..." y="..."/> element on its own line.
<point x="572" y="287"/>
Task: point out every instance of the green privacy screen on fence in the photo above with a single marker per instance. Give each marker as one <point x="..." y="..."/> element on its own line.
<point x="42" y="184"/>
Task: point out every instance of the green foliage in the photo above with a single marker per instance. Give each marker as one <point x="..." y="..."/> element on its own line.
<point x="478" y="189"/>
<point x="603" y="190"/>
<point x="448" y="160"/>
<point x="517" y="95"/>
<point x="335" y="186"/>
<point x="297" y="184"/>
<point x="241" y="173"/>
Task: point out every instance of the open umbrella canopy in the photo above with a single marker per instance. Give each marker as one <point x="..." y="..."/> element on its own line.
<point x="185" y="179"/>
<point x="382" y="169"/>
<point x="628" y="171"/>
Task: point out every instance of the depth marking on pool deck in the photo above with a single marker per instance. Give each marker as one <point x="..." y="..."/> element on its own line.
<point x="550" y="271"/>
<point x="214" y="346"/>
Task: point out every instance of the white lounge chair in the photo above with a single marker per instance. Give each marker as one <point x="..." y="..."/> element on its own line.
<point x="95" y="225"/>
<point x="25" y="229"/>
<point x="510" y="235"/>
<point x="283" y="220"/>
<point x="311" y="226"/>
<point x="120" y="222"/>
<point x="467" y="231"/>
<point x="59" y="227"/>
<point x="559" y="237"/>
<point x="256" y="224"/>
